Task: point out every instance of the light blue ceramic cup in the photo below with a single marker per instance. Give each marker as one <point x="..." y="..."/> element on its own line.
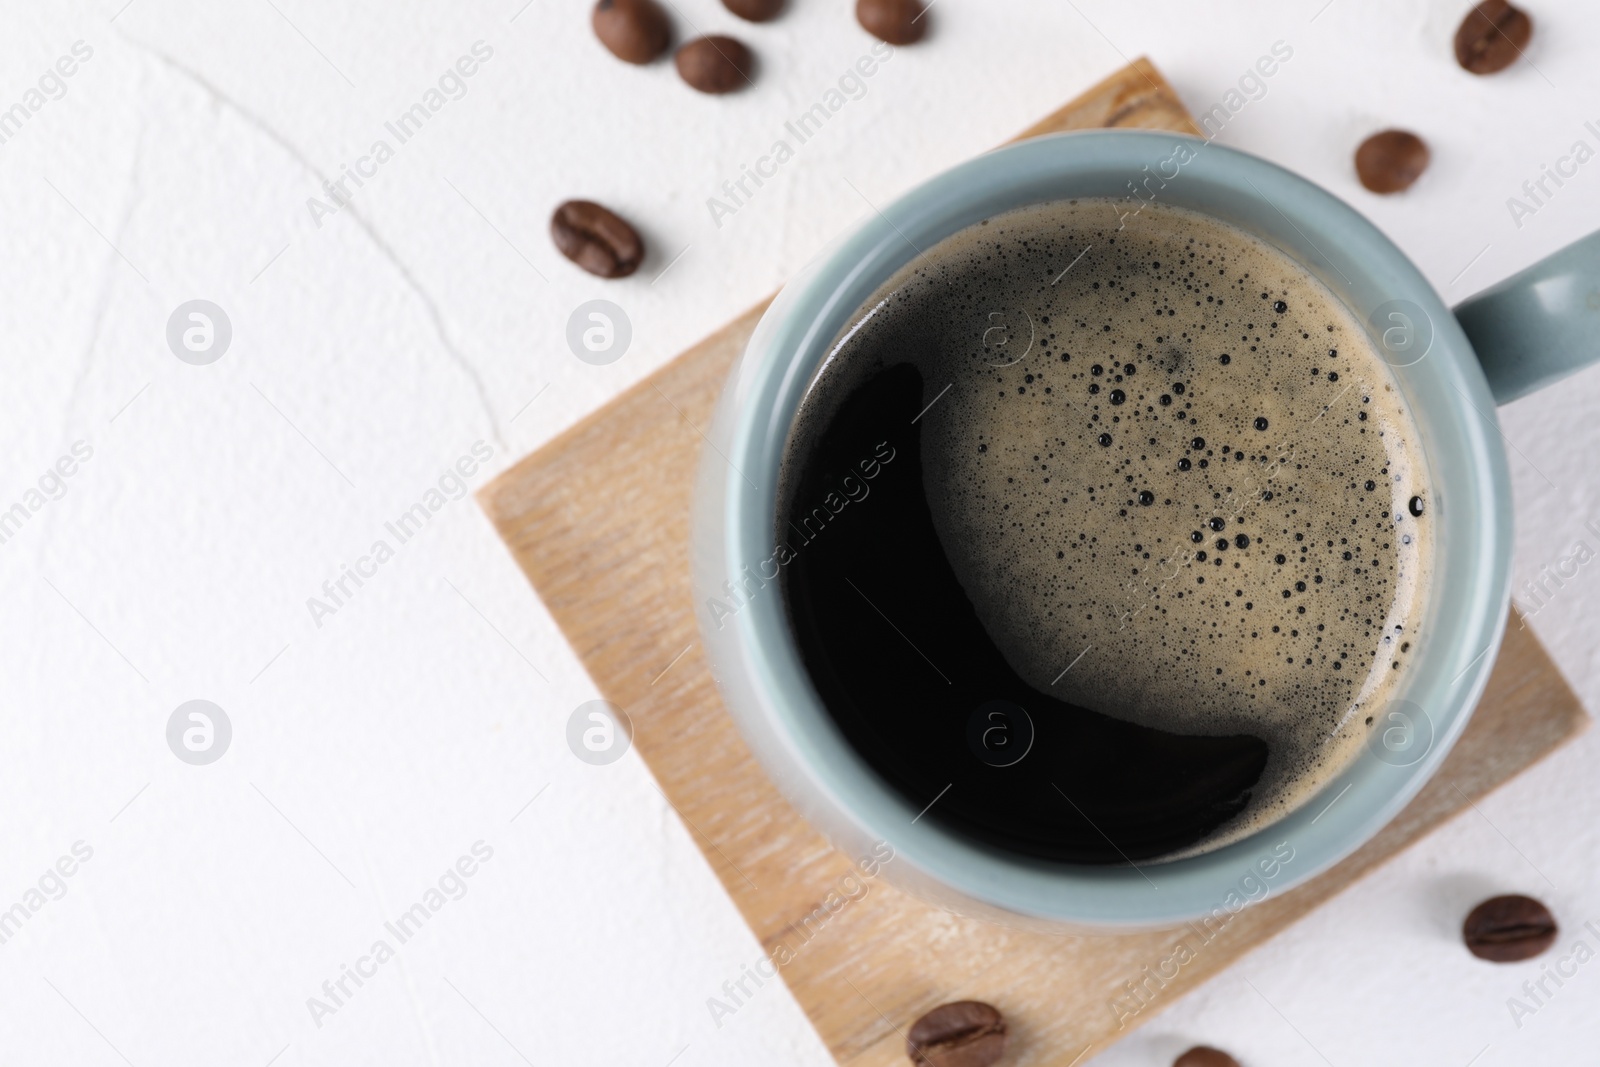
<point x="1451" y="368"/>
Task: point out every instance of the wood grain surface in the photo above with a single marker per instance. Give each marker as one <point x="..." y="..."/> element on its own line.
<point x="599" y="521"/>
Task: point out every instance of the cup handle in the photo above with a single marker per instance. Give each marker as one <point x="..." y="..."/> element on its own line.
<point x="1540" y="324"/>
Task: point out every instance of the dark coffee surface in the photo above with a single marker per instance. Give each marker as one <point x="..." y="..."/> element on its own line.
<point x="905" y="701"/>
<point x="1098" y="532"/>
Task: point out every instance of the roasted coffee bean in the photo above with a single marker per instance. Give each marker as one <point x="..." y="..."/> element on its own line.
<point x="895" y="21"/>
<point x="1508" y="929"/>
<point x="1205" y="1056"/>
<point x="754" y="10"/>
<point x="1492" y="36"/>
<point x="715" y="64"/>
<point x="635" y="31"/>
<point x="967" y="1033"/>
<point x="596" y="239"/>
<point x="1390" y="161"/>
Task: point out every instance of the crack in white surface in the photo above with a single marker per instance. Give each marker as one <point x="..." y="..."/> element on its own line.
<point x="430" y="306"/>
<point x="408" y="984"/>
<point x="133" y="196"/>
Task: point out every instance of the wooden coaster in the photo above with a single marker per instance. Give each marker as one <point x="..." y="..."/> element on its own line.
<point x="599" y="521"/>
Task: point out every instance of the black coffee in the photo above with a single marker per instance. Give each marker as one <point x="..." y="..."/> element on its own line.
<point x="1103" y="533"/>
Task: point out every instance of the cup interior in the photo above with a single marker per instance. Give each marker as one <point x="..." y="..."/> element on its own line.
<point x="758" y="663"/>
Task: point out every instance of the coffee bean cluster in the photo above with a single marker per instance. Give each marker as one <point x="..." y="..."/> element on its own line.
<point x="640" y="31"/>
<point x="596" y="238"/>
<point x="1489" y="39"/>
<point x="970" y="1033"/>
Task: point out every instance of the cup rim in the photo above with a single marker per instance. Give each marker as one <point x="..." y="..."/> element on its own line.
<point x="754" y="654"/>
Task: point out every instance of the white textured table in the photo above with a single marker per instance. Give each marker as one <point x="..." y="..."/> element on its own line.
<point x="380" y="739"/>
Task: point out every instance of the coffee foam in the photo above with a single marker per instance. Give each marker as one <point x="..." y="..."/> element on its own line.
<point x="1089" y="355"/>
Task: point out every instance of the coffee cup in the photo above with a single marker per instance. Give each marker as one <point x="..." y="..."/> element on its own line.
<point x="1451" y="369"/>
